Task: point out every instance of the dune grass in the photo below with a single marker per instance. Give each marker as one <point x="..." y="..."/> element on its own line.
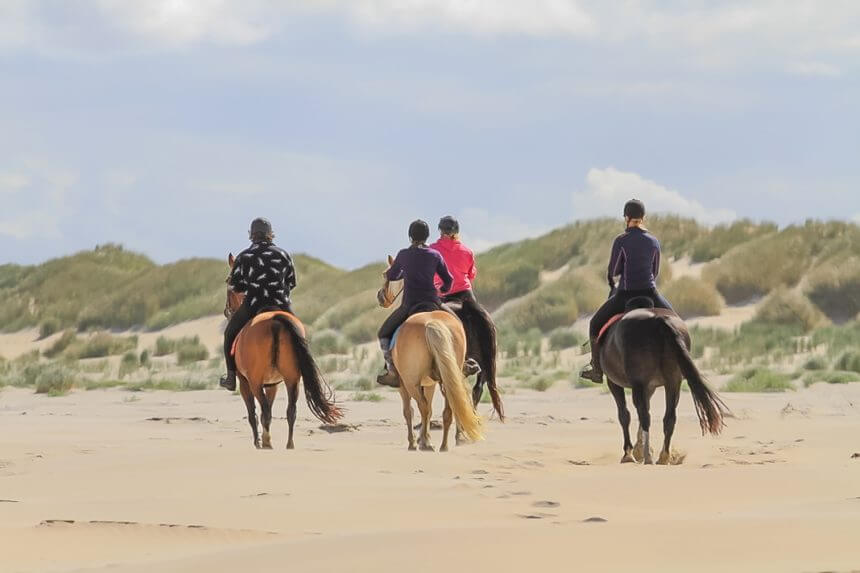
<point x="830" y="377"/>
<point x="691" y="297"/>
<point x="759" y="380"/>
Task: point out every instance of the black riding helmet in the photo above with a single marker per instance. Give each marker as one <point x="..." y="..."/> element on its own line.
<point x="449" y="225"/>
<point x="419" y="231"/>
<point x="635" y="209"/>
<point x="260" y="228"/>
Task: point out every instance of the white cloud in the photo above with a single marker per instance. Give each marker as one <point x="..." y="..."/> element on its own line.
<point x="37" y="212"/>
<point x="482" y="230"/>
<point x="820" y="69"/>
<point x="12" y="182"/>
<point x="608" y="189"/>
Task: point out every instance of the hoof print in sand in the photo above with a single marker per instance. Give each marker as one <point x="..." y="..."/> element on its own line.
<point x="595" y="520"/>
<point x="338" y="428"/>
<point x="546" y="503"/>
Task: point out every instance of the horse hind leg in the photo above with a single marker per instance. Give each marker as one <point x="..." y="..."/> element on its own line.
<point x="265" y="417"/>
<point x="248" y="397"/>
<point x="447" y="417"/>
<point x="425" y="406"/>
<point x="407" y="415"/>
<point x="624" y="420"/>
<point x="642" y="399"/>
<point x="673" y="393"/>
<point x="293" y="398"/>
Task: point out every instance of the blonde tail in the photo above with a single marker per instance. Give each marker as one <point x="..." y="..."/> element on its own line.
<point x="442" y="350"/>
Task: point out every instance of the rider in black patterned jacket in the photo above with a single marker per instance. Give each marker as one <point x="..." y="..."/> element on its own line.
<point x="265" y="274"/>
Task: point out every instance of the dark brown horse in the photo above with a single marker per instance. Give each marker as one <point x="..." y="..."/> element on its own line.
<point x="272" y="349"/>
<point x="646" y="349"/>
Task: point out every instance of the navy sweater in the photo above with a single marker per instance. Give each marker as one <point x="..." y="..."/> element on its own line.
<point x="418" y="266"/>
<point x="636" y="258"/>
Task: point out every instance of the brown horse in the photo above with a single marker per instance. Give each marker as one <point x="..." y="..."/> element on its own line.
<point x="271" y="349"/>
<point x="430" y="349"/>
<point x="646" y="349"/>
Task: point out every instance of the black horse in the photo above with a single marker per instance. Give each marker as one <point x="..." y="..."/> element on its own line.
<point x="480" y="346"/>
<point x="646" y="349"/>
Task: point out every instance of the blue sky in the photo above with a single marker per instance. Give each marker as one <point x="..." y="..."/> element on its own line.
<point x="167" y="125"/>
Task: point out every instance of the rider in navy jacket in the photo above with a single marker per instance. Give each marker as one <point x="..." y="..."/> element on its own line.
<point x="635" y="260"/>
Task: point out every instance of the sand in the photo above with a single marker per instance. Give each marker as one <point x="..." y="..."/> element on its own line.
<point x="169" y="482"/>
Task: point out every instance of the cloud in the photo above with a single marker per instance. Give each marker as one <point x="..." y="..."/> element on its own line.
<point x="36" y="194"/>
<point x="608" y="189"/>
<point x="12" y="182"/>
<point x="819" y="69"/>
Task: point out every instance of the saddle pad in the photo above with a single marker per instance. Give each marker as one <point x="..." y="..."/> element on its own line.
<point x="394" y="338"/>
<point x="609" y="323"/>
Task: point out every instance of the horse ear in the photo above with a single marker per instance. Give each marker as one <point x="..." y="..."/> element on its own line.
<point x="230" y="259"/>
<point x="390" y="260"/>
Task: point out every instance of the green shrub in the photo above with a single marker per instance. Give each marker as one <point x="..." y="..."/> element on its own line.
<point x="128" y="364"/>
<point x="830" y="377"/>
<point x="367" y="397"/>
<point x="834" y="287"/>
<point x="815" y="363"/>
<point x="692" y="297"/>
<point x="784" y="307"/>
<point x="164" y="346"/>
<point x="102" y="344"/>
<point x="60" y="345"/>
<point x="838" y="338"/>
<point x="562" y="338"/>
<point x="55" y="380"/>
<point x="328" y="342"/>
<point x="499" y="283"/>
<point x="48" y="327"/>
<point x="364" y="327"/>
<point x="144" y="359"/>
<point x="850" y="361"/>
<point x="190" y="350"/>
<point x="555" y="304"/>
<point x="759" y="380"/>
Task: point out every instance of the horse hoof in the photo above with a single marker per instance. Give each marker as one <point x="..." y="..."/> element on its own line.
<point x="290" y="446"/>
<point x="443" y="449"/>
<point x="628" y="459"/>
<point x="649" y="461"/>
<point x="664" y="459"/>
<point x="412" y="448"/>
<point x="427" y="448"/>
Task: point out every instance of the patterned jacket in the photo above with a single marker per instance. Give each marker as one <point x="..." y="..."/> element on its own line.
<point x="265" y="273"/>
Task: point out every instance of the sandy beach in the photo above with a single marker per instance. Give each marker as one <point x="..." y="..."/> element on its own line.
<point x="116" y="481"/>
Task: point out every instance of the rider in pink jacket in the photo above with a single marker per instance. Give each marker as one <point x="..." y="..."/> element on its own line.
<point x="459" y="259"/>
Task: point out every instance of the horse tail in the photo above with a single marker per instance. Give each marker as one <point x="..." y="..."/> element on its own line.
<point x="485" y="336"/>
<point x="441" y="346"/>
<point x="709" y="406"/>
<point x="317" y="391"/>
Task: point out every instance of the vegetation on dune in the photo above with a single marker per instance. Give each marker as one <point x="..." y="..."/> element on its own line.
<point x="786" y="308"/>
<point x="834" y="286"/>
<point x="723" y="238"/>
<point x="555" y="304"/>
<point x="830" y="377"/>
<point x="759" y="380"/>
<point x="691" y="297"/>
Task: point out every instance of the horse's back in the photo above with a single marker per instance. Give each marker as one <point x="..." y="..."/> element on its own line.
<point x="411" y="351"/>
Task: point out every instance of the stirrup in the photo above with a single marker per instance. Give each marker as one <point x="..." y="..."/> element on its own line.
<point x="227" y="382"/>
<point x="590" y="373"/>
<point x="389" y="378"/>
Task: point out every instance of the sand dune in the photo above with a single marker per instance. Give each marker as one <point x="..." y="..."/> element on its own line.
<point x="137" y="473"/>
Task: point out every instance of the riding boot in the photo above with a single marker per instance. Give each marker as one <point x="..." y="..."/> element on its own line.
<point x="229" y="381"/>
<point x="593" y="371"/>
<point x="470" y="367"/>
<point x="389" y="376"/>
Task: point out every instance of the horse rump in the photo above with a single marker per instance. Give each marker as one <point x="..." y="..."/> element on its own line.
<point x="317" y="391"/>
<point x="481" y="341"/>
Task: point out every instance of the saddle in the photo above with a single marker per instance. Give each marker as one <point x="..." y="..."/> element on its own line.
<point x="617" y="317"/>
<point x="415" y="309"/>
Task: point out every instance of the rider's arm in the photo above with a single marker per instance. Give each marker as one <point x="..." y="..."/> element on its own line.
<point x="395" y="271"/>
<point x="655" y="263"/>
<point x="237" y="280"/>
<point x="473" y="270"/>
<point x="615" y="260"/>
<point x="290" y="273"/>
<point x="444" y="274"/>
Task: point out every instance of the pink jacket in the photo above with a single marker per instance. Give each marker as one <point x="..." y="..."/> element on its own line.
<point x="460" y="261"/>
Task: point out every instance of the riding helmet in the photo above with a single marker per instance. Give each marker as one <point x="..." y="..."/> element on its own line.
<point x="261" y="227"/>
<point x="449" y="225"/>
<point x="419" y="231"/>
<point x="635" y="209"/>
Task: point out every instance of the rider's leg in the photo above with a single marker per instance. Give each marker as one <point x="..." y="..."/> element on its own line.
<point x="470" y="366"/>
<point x="660" y="301"/>
<point x="613" y="305"/>
<point x="388" y="376"/>
<point x="239" y="319"/>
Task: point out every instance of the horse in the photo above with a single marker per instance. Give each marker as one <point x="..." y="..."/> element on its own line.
<point x="645" y="349"/>
<point x="481" y="347"/>
<point x="430" y="349"/>
<point x="273" y="348"/>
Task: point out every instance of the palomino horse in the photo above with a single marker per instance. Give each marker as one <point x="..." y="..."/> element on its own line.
<point x="430" y="349"/>
<point x="272" y="349"/>
<point x="645" y="349"/>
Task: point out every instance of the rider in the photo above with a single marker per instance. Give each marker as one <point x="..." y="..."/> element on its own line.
<point x="636" y="258"/>
<point x="459" y="259"/>
<point x="417" y="266"/>
<point x="265" y="274"/>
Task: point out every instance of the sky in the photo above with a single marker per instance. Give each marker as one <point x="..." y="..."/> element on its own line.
<point x="167" y="125"/>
